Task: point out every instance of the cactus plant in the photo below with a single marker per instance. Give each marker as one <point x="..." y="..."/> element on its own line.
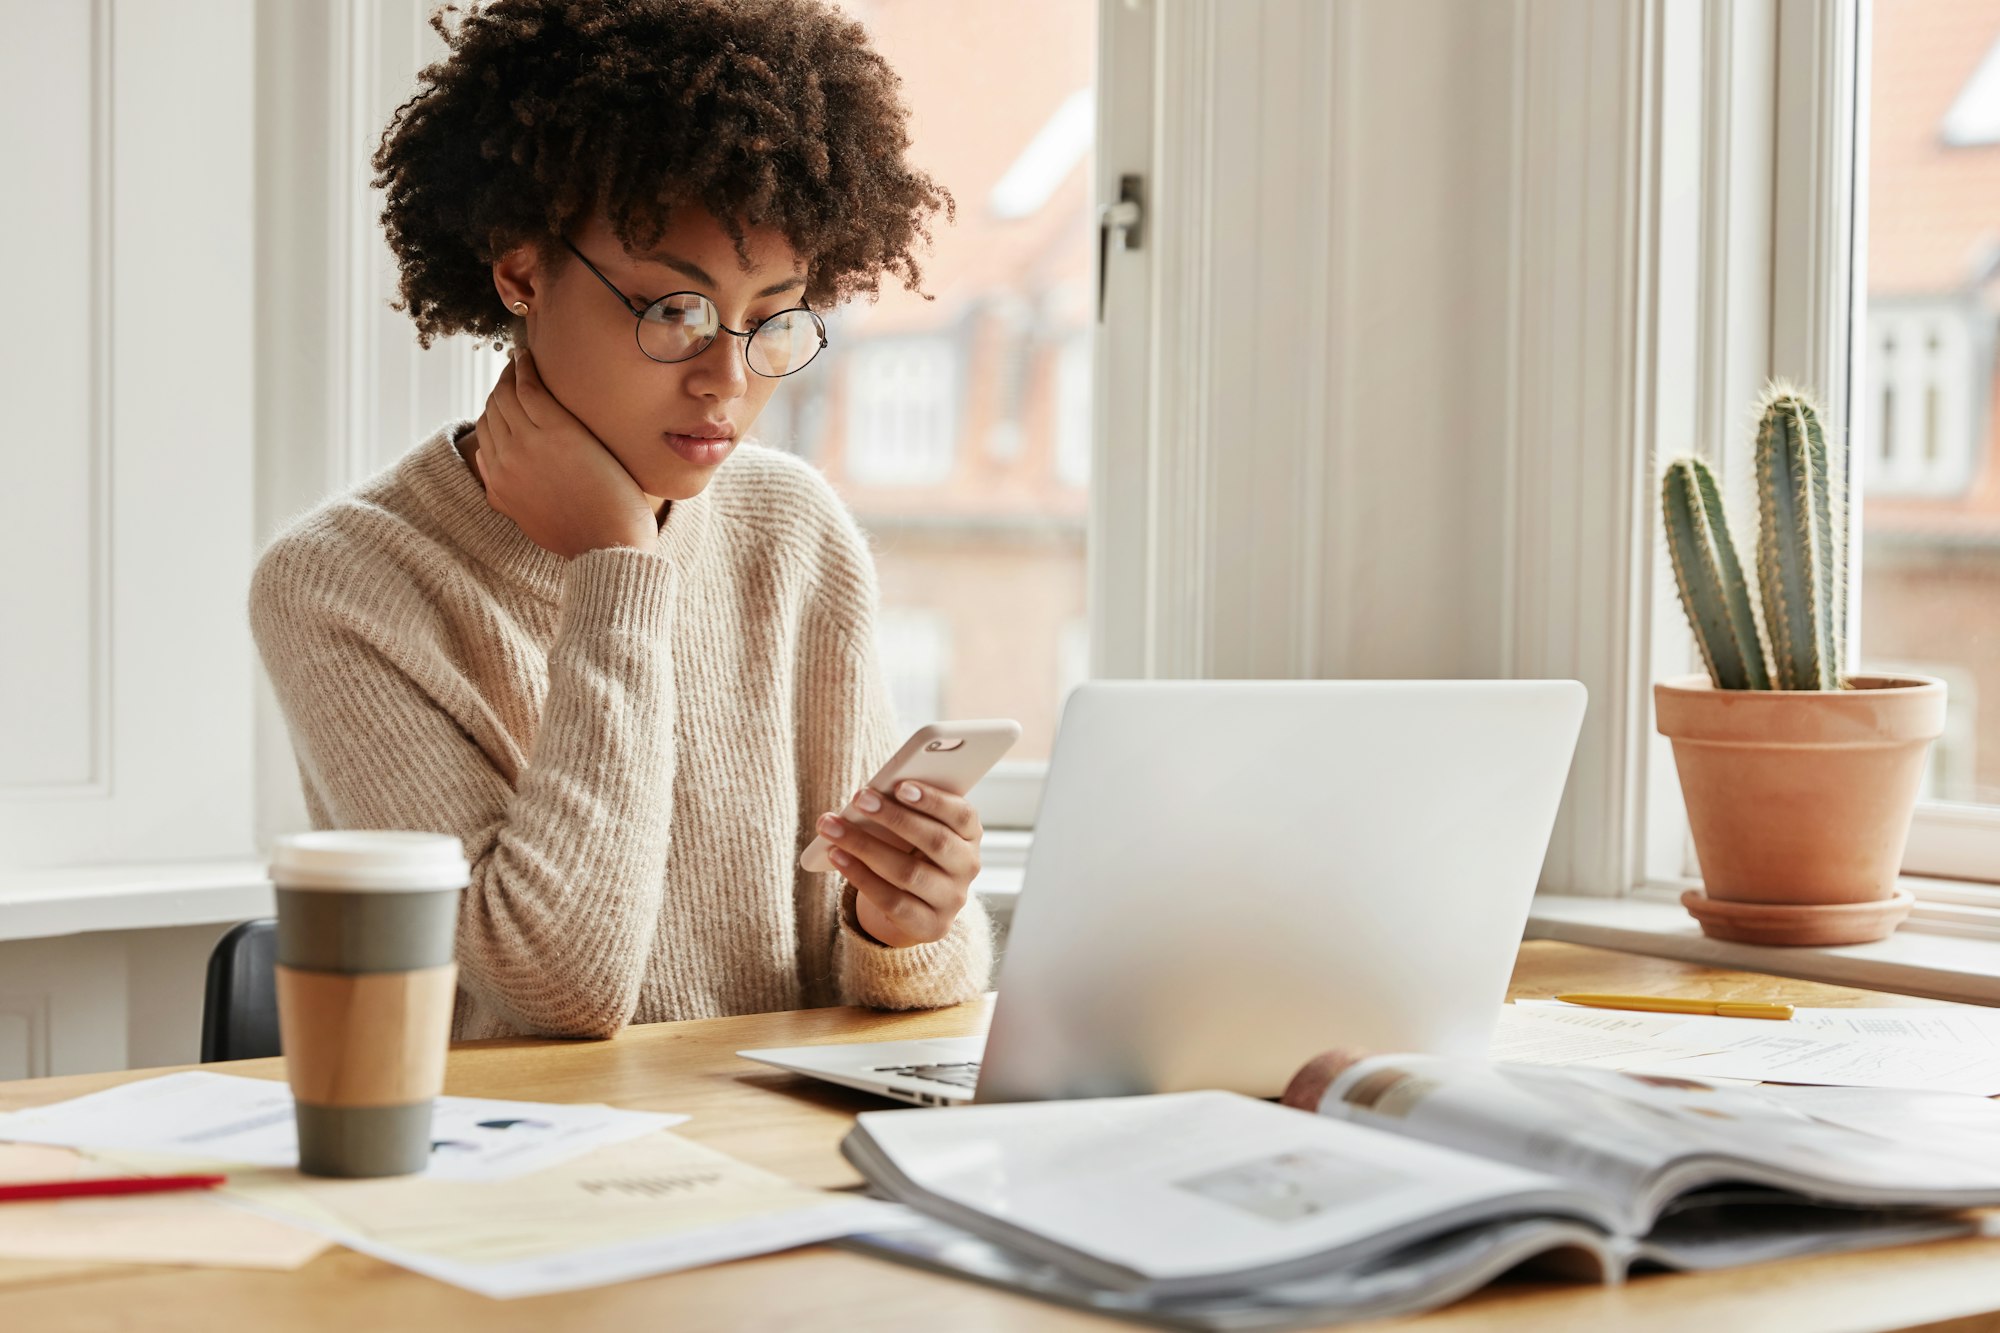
<point x="1710" y="579"/>
<point x="1801" y="547"/>
<point x="1797" y="554"/>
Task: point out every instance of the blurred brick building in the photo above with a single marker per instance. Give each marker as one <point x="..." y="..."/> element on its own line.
<point x="958" y="428"/>
<point x="1930" y="596"/>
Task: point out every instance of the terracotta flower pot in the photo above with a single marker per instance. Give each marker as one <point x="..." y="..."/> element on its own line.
<point x="1800" y="803"/>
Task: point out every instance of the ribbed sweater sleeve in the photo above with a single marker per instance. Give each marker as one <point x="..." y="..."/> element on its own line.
<point x="849" y="730"/>
<point x="556" y="928"/>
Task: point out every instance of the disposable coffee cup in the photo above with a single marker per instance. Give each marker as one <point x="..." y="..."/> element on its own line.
<point x="366" y="980"/>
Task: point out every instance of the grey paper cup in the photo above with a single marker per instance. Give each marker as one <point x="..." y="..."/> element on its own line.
<point x="366" y="980"/>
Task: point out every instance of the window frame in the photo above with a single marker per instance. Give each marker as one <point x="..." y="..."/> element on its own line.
<point x="1115" y="552"/>
<point x="1783" y="293"/>
<point x="348" y="69"/>
<point x="1776" y="195"/>
<point x="1743" y="129"/>
<point x="1747" y="122"/>
<point x="1948" y="840"/>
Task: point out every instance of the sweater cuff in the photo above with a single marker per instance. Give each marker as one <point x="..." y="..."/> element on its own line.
<point x="622" y="589"/>
<point x="923" y="976"/>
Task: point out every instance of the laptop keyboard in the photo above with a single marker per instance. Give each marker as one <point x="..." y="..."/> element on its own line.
<point x="962" y="1074"/>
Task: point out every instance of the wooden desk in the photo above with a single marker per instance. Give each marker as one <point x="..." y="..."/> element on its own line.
<point x="792" y="1125"/>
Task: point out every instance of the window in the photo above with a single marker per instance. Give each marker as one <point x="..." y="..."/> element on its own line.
<point x="1072" y="656"/>
<point x="1948" y="768"/>
<point x="915" y="648"/>
<point x="958" y="427"/>
<point x="1925" y="374"/>
<point x="1929" y="524"/>
<point x="902" y="411"/>
<point x="1073" y="413"/>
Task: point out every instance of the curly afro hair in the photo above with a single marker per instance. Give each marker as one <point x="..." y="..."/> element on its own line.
<point x="763" y="112"/>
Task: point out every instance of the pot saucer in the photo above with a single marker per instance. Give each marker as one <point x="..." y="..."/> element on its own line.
<point x="1798" y="924"/>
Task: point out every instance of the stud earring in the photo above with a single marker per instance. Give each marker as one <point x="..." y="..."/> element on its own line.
<point x="519" y="307"/>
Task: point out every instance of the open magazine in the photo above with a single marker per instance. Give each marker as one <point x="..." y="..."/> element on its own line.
<point x="1418" y="1181"/>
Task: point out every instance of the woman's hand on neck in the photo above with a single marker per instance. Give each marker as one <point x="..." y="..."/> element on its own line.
<point x="467" y="445"/>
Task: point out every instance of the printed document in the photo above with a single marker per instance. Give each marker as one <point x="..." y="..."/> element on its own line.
<point x="231" y="1119"/>
<point x="1939" y="1050"/>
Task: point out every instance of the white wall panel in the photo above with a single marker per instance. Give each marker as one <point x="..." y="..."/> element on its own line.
<point x="113" y="999"/>
<point x="124" y="719"/>
<point x="52" y="510"/>
<point x="1406" y="265"/>
<point x="344" y="389"/>
<point x="1423" y="239"/>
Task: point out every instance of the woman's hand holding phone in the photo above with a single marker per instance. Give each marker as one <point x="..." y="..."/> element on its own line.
<point x="544" y="469"/>
<point x="907" y="894"/>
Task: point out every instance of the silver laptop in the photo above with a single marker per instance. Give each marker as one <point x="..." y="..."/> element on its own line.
<point x="1229" y="877"/>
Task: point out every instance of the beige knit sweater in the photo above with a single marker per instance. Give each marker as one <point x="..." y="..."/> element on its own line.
<point x="632" y="745"/>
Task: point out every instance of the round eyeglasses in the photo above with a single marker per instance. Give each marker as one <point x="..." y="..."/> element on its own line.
<point x="680" y="326"/>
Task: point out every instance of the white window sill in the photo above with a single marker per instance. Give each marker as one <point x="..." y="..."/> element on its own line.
<point x="1003" y="859"/>
<point x="39" y="904"/>
<point x="1926" y="958"/>
<point x="1946" y="951"/>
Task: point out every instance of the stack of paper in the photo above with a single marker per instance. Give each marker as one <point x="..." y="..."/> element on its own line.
<point x="1938" y="1050"/>
<point x="233" y="1119"/>
<point x="520" y="1197"/>
<point x="226" y="1118"/>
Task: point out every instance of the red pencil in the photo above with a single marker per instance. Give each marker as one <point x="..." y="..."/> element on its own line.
<point x="77" y="1189"/>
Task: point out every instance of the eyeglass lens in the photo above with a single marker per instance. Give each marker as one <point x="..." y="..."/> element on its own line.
<point x="675" y="328"/>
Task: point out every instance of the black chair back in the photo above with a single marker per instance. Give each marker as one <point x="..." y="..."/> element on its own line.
<point x="239" y="1016"/>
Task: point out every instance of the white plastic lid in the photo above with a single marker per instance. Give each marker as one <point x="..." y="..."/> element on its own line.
<point x="369" y="861"/>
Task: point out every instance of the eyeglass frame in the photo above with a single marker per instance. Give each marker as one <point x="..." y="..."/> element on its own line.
<point x="639" y="319"/>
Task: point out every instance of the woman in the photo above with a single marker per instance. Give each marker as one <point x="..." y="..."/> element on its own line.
<point x="625" y="656"/>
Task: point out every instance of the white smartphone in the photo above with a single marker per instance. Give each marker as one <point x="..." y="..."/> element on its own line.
<point x="951" y="756"/>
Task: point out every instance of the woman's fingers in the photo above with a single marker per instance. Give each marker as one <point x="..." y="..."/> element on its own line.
<point x="506" y="400"/>
<point x="535" y="398"/>
<point x="911" y="873"/>
<point x="954" y="812"/>
<point x="494" y="439"/>
<point x="927" y="824"/>
<point x="912" y="920"/>
<point x="912" y="861"/>
<point x="479" y="428"/>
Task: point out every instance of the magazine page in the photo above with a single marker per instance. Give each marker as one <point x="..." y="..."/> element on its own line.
<point x="1422" y="1276"/>
<point x="1183" y="1192"/>
<point x="1732" y="1231"/>
<point x="1477" y="1108"/>
<point x="1965" y="1128"/>
<point x="1640" y="1137"/>
<point x="1772" y="1135"/>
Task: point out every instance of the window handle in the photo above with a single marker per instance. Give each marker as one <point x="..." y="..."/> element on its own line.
<point x="1127" y="217"/>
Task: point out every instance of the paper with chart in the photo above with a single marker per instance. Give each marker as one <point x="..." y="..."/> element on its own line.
<point x="231" y="1119"/>
<point x="1598" y="1038"/>
<point x="1941" y="1050"/>
<point x="1802" y="1057"/>
<point x="1974" y="1029"/>
<point x="1947" y="1025"/>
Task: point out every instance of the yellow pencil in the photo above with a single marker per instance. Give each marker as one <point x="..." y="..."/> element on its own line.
<point x="1661" y="1004"/>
